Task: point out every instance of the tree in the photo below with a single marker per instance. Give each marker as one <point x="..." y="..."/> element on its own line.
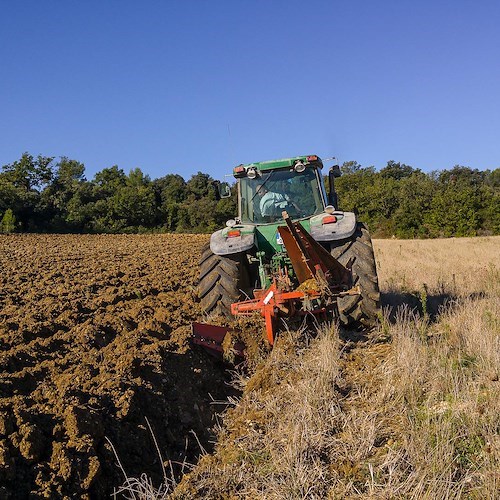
<point x="415" y="198"/>
<point x="134" y="203"/>
<point x="8" y="222"/>
<point x="22" y="182"/>
<point x="170" y="188"/>
<point x="352" y="190"/>
<point x="453" y="212"/>
<point x="9" y="196"/>
<point x="396" y="170"/>
<point x="108" y="180"/>
<point x="200" y="186"/>
<point x="101" y="206"/>
<point x="29" y="173"/>
<point x="170" y="191"/>
<point x="55" y="198"/>
<point x="462" y="175"/>
<point x="350" y="167"/>
<point x="80" y="208"/>
<point x="490" y="202"/>
<point x="398" y="200"/>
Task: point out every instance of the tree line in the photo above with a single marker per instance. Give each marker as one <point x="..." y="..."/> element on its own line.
<point x="405" y="202"/>
<point x="39" y="194"/>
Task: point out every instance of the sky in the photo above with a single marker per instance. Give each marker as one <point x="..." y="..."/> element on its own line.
<point x="181" y="86"/>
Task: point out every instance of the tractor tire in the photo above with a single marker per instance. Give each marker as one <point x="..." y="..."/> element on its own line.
<point x="359" y="311"/>
<point x="223" y="279"/>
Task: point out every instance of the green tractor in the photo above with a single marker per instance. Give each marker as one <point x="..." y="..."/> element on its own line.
<point x="246" y="256"/>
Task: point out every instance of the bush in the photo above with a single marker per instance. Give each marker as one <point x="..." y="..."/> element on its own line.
<point x="8" y="223"/>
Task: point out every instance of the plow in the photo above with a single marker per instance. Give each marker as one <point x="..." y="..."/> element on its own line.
<point x="296" y="257"/>
<point x="322" y="279"/>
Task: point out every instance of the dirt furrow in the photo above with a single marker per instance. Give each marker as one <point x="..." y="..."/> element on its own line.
<point x="93" y="340"/>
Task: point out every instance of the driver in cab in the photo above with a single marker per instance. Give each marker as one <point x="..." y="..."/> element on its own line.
<point x="271" y="203"/>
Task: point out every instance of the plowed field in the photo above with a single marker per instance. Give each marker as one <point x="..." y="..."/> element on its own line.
<point x="93" y="340"/>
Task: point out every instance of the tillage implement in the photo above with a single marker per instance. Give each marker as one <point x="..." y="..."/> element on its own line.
<point x="290" y="253"/>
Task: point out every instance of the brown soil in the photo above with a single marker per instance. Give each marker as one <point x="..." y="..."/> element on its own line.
<point x="94" y="339"/>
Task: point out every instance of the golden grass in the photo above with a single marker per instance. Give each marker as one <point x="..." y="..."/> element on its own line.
<point x="274" y="440"/>
<point x="434" y="399"/>
<point x="455" y="265"/>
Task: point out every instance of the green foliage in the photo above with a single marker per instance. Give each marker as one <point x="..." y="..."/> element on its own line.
<point x="415" y="198"/>
<point x="40" y="195"/>
<point x="29" y="173"/>
<point x="468" y="451"/>
<point x="397" y="171"/>
<point x="407" y="203"/>
<point x="8" y="222"/>
<point x="21" y="186"/>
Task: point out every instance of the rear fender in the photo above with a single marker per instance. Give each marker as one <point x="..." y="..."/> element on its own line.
<point x="222" y="244"/>
<point x="344" y="227"/>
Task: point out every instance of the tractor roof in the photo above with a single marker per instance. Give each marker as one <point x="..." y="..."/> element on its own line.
<point x="283" y="163"/>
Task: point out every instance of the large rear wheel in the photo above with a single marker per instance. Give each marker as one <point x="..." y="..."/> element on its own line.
<point x="359" y="311"/>
<point x="224" y="279"/>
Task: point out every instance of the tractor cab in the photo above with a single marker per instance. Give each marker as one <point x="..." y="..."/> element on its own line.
<point x="267" y="189"/>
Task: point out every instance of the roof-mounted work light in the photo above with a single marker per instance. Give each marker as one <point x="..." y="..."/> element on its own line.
<point x="299" y="167"/>
<point x="239" y="171"/>
<point x="252" y="173"/>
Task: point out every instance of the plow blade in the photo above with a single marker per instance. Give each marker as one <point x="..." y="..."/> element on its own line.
<point x="211" y="338"/>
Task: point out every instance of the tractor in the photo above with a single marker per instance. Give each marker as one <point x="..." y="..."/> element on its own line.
<point x="290" y="252"/>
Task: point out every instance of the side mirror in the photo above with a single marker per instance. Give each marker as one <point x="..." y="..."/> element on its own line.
<point x="335" y="171"/>
<point x="224" y="190"/>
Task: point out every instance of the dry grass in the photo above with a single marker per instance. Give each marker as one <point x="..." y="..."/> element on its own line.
<point x="411" y="411"/>
<point x="454" y="266"/>
<point x="425" y="420"/>
<point x="274" y="440"/>
<point x="443" y="375"/>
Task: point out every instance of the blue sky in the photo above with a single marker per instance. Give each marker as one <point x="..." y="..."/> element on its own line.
<point x="182" y="86"/>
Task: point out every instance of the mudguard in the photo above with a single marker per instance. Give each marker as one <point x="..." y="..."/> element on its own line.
<point x="344" y="226"/>
<point x="222" y="244"/>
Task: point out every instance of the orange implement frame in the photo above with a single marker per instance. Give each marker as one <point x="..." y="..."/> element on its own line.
<point x="310" y="259"/>
<point x="311" y="262"/>
<point x="273" y="302"/>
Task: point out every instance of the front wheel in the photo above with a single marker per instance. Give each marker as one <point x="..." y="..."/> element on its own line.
<point x="223" y="280"/>
<point x="359" y="311"/>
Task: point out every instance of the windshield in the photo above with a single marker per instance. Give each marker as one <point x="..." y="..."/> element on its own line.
<point x="263" y="199"/>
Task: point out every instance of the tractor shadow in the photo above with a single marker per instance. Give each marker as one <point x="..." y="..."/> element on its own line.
<point x="432" y="305"/>
<point x="395" y="304"/>
<point x="183" y="402"/>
